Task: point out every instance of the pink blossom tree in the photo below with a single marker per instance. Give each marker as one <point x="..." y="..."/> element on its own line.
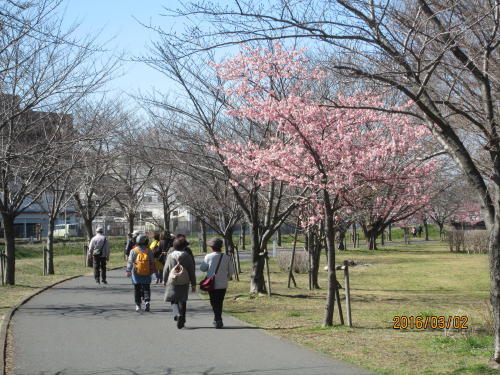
<point x="336" y="152"/>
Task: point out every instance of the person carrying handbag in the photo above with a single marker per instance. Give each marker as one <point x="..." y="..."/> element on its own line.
<point x="178" y="273"/>
<point x="217" y="265"/>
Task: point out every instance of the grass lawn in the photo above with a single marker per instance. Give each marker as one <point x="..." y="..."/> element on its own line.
<point x="412" y="280"/>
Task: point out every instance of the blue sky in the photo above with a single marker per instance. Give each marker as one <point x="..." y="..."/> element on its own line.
<point x="114" y="19"/>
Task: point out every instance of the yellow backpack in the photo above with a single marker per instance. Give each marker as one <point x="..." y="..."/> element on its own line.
<point x="142" y="264"/>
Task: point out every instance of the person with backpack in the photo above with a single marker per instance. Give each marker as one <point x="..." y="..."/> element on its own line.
<point x="178" y="273"/>
<point x="99" y="251"/>
<point x="140" y="266"/>
<point x="218" y="265"/>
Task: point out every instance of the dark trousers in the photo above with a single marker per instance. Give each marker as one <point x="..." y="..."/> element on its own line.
<point x="217" y="300"/>
<point x="179" y="308"/>
<point x="99" y="267"/>
<point x="141" y="291"/>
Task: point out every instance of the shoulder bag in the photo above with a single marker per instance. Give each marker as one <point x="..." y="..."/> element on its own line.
<point x="208" y="283"/>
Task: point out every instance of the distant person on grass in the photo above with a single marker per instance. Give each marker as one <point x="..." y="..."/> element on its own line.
<point x="178" y="273"/>
<point x="99" y="250"/>
<point x="140" y="266"/>
<point x="220" y="265"/>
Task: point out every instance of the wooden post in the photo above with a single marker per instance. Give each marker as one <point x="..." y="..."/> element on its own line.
<point x="290" y="271"/>
<point x="2" y="266"/>
<point x="347" y="294"/>
<point x="268" y="274"/>
<point x="87" y="261"/>
<point x="238" y="265"/>
<point x="44" y="262"/>
<point x="235" y="266"/>
<point x="339" y="306"/>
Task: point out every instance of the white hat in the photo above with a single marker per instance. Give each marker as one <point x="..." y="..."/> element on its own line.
<point x="99" y="230"/>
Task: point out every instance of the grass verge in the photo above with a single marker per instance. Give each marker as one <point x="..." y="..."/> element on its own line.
<point x="412" y="280"/>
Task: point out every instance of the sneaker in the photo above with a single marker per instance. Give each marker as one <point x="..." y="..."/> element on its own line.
<point x="180" y="322"/>
<point x="138" y="308"/>
<point x="218" y="324"/>
<point x="147" y="307"/>
<point x="104" y="282"/>
<point x="97" y="281"/>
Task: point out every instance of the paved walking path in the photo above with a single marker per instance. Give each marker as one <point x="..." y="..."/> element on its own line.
<point x="78" y="328"/>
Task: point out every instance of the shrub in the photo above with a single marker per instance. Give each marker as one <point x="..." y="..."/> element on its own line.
<point x="476" y="241"/>
<point x="455" y="239"/>
<point x="471" y="241"/>
<point x="300" y="262"/>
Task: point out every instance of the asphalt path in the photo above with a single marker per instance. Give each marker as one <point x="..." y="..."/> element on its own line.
<point x="81" y="328"/>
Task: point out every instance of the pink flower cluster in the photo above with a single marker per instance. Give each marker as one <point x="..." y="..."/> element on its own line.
<point x="353" y="153"/>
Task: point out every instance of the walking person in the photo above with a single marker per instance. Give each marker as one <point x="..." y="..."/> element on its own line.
<point x="176" y="292"/>
<point x="161" y="253"/>
<point x="132" y="241"/>
<point x="140" y="266"/>
<point x="186" y="244"/>
<point x="154" y="246"/>
<point x="219" y="265"/>
<point x="99" y="250"/>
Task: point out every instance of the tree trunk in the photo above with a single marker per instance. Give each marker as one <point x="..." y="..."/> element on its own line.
<point x="87" y="223"/>
<point x="10" y="245"/>
<point x="203" y="236"/>
<point x="341" y="245"/>
<point x="166" y="216"/>
<point x="371" y="241"/>
<point x="494" y="262"/>
<point x="315" y="258"/>
<point x="330" y="244"/>
<point x="50" y="247"/>
<point x="243" y="227"/>
<point x="279" y="237"/>
<point x="257" y="283"/>
<point x="426" y="230"/>
<point x="131" y="220"/>
<point x="441" y="227"/>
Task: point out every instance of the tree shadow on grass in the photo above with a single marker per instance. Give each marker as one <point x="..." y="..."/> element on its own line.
<point x="300" y="296"/>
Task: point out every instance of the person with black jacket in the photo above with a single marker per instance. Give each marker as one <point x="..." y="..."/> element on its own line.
<point x="131" y="243"/>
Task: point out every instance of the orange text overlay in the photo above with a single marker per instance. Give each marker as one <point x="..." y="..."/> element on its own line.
<point x="433" y="322"/>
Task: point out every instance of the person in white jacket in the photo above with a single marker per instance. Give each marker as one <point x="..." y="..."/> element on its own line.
<point x="220" y="263"/>
<point x="99" y="251"/>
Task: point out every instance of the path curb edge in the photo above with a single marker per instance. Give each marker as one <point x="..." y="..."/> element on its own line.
<point x="4" y="328"/>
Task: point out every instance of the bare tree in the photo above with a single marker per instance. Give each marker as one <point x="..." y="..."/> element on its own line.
<point x="100" y="120"/>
